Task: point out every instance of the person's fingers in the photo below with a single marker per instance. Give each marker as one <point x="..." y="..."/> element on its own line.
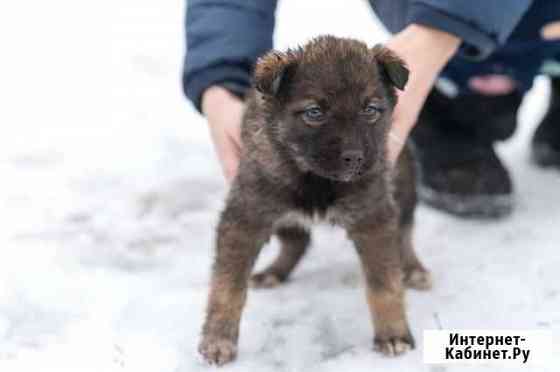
<point x="231" y="148"/>
<point x="227" y="151"/>
<point x="426" y="51"/>
<point x="403" y="115"/>
<point x="224" y="112"/>
<point x="492" y="85"/>
<point x="229" y="159"/>
<point x="234" y="129"/>
<point x="395" y="145"/>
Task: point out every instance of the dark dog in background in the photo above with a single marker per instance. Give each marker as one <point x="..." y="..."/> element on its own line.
<point x="314" y="145"/>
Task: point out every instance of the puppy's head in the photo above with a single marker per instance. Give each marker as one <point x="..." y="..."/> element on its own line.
<point x="329" y="104"/>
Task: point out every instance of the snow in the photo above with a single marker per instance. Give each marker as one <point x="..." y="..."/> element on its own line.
<point x="111" y="191"/>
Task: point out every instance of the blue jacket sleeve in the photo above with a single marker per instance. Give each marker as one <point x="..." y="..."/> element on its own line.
<point x="224" y="39"/>
<point x="481" y="24"/>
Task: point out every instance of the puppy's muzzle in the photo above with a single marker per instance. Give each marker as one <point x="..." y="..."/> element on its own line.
<point x="352" y="163"/>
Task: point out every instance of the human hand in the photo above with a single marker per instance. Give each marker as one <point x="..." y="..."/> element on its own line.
<point x="224" y="113"/>
<point x="426" y="51"/>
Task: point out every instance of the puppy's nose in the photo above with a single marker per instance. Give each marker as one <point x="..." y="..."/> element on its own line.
<point x="353" y="158"/>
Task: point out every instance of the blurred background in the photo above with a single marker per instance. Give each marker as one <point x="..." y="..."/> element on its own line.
<point x="110" y="192"/>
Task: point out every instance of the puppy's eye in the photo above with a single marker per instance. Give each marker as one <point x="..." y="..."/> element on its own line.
<point x="372" y="109"/>
<point x="313" y="114"/>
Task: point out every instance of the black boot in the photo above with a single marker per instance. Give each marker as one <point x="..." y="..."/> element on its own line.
<point x="460" y="171"/>
<point x="546" y="140"/>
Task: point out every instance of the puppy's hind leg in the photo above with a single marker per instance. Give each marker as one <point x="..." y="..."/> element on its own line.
<point x="415" y="274"/>
<point x="294" y="241"/>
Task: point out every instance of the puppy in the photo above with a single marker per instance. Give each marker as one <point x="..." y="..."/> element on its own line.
<point x="314" y="145"/>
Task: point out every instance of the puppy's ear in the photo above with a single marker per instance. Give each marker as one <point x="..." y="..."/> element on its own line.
<point x="273" y="71"/>
<point x="392" y="66"/>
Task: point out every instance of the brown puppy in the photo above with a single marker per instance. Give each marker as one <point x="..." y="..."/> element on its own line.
<point x="314" y="145"/>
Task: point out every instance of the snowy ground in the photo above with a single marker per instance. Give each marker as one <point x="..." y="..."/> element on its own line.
<point x="110" y="192"/>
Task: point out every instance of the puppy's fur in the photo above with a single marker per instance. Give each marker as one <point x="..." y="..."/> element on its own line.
<point x="314" y="145"/>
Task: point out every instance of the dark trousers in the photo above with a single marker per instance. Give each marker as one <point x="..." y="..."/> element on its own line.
<point x="524" y="56"/>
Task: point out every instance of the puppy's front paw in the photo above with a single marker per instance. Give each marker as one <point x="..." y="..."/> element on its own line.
<point x="393" y="346"/>
<point x="418" y="278"/>
<point x="217" y="350"/>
